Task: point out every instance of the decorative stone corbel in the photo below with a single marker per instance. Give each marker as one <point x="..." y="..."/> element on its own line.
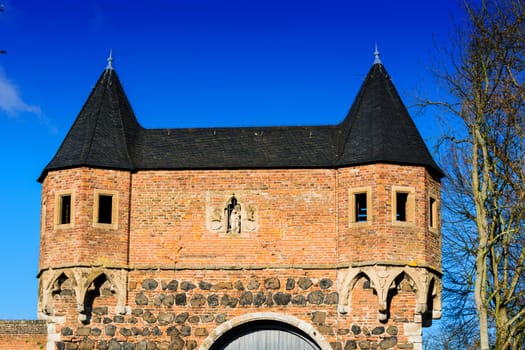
<point x="50" y="285"/>
<point x="383" y="279"/>
<point x="346" y="280"/>
<point x="118" y="282"/>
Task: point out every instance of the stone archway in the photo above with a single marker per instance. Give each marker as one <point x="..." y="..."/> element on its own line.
<point x="265" y="331"/>
<point x="265" y="335"/>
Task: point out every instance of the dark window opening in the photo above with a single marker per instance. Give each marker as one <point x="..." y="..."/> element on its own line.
<point x="105" y="209"/>
<point x="360" y="207"/>
<point x="65" y="209"/>
<point x="432" y="212"/>
<point x="401" y="206"/>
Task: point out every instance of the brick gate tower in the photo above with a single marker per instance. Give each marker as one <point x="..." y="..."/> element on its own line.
<point x="319" y="237"/>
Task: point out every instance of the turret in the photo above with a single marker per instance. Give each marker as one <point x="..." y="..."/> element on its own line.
<point x="86" y="197"/>
<point x="389" y="195"/>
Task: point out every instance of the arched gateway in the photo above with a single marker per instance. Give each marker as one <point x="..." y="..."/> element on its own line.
<point x="265" y="335"/>
<point x="265" y="331"/>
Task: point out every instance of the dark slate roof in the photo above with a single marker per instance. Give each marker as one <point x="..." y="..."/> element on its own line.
<point x="104" y="133"/>
<point x="378" y="128"/>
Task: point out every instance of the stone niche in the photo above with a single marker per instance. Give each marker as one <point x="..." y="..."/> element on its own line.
<point x="232" y="213"/>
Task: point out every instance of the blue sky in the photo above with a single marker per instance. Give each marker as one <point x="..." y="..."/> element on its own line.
<point x="188" y="63"/>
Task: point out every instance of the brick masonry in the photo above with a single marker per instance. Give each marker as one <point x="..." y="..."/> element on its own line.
<point x="23" y="335"/>
<point x="170" y="276"/>
<point x="162" y="218"/>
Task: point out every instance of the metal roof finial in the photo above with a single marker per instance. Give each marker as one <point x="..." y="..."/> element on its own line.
<point x="110" y="60"/>
<point x="377" y="60"/>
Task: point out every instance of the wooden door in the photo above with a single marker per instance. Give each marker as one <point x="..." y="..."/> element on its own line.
<point x="267" y="336"/>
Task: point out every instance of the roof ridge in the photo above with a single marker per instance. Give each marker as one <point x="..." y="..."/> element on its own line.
<point x="98" y="114"/>
<point x="123" y="130"/>
<point x="350" y="120"/>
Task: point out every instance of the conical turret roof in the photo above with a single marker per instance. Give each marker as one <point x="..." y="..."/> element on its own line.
<point x="104" y="133"/>
<point x="377" y="129"/>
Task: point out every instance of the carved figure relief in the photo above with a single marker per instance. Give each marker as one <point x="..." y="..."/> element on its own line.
<point x="251" y="218"/>
<point x="233" y="213"/>
<point x="216" y="219"/>
<point x="233" y="217"/>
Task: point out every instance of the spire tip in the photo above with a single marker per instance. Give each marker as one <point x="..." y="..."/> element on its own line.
<point x="110" y="60"/>
<point x="377" y="60"/>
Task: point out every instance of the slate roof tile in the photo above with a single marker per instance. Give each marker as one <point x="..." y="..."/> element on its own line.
<point x="378" y="128"/>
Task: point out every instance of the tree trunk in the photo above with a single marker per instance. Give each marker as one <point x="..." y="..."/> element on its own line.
<point x="480" y="297"/>
<point x="503" y="340"/>
<point x="480" y="181"/>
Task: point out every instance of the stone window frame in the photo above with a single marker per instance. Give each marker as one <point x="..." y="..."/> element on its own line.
<point x="433" y="212"/>
<point x="410" y="208"/>
<point x="352" y="205"/>
<point x="114" y="209"/>
<point x="58" y="209"/>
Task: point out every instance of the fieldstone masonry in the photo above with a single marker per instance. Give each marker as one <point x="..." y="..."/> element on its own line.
<point x="185" y="313"/>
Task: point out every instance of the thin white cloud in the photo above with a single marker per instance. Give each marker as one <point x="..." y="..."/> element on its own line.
<point x="10" y="100"/>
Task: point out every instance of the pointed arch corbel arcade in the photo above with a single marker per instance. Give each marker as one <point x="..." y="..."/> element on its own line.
<point x="84" y="284"/>
<point x="385" y="280"/>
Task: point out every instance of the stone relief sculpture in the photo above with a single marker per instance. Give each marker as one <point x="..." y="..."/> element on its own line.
<point x="232" y="214"/>
<point x="216" y="218"/>
<point x="251" y="218"/>
<point x="234" y="220"/>
<point x="234" y="217"/>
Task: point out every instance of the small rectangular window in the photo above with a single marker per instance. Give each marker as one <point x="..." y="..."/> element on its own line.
<point x="105" y="209"/>
<point x="401" y="206"/>
<point x="360" y="207"/>
<point x="65" y="210"/>
<point x="432" y="213"/>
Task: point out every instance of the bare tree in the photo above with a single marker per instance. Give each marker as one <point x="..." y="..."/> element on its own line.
<point x="484" y="77"/>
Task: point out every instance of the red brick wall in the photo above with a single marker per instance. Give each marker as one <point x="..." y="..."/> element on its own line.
<point x="84" y="243"/>
<point x="382" y="240"/>
<point x="298" y="211"/>
<point x="296" y="221"/>
<point x="433" y="238"/>
<point x="22" y="342"/>
<point x="23" y="335"/>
